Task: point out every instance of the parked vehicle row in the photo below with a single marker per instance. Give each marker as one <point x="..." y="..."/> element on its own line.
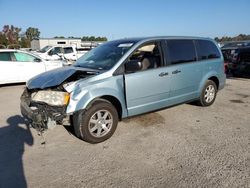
<point x="237" y="58"/>
<point x="19" y="66"/>
<point x="123" y="78"/>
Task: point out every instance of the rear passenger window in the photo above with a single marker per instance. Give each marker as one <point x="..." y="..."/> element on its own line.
<point x="5" y="56"/>
<point x="181" y="51"/>
<point x="207" y="50"/>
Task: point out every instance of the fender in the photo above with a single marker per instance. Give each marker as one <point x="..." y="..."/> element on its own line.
<point x="205" y="78"/>
<point x="82" y="97"/>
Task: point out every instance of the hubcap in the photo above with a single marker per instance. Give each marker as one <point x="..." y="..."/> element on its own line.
<point x="100" y="123"/>
<point x="209" y="93"/>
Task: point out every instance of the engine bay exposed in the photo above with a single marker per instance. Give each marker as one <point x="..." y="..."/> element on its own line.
<point x="57" y="77"/>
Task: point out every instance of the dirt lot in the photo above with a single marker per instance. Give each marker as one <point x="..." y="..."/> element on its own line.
<point x="184" y="146"/>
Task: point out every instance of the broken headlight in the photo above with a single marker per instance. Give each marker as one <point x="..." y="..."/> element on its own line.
<point x="54" y="98"/>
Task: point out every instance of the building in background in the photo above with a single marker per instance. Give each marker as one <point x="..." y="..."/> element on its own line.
<point x="37" y="44"/>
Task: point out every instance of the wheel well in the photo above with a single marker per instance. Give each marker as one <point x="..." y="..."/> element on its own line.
<point x="215" y="80"/>
<point x="116" y="103"/>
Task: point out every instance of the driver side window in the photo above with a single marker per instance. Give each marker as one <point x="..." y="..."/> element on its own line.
<point x="145" y="57"/>
<point x="56" y="50"/>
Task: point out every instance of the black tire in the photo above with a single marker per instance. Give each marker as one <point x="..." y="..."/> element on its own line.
<point x="82" y="122"/>
<point x="203" y="101"/>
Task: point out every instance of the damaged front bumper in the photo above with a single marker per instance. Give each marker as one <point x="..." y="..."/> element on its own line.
<point x="40" y="115"/>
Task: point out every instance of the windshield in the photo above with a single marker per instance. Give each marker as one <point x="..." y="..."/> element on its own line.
<point x="105" y="56"/>
<point x="45" y="49"/>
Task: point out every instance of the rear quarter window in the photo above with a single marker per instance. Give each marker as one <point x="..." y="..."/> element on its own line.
<point x="5" y="56"/>
<point x="181" y="51"/>
<point x="207" y="50"/>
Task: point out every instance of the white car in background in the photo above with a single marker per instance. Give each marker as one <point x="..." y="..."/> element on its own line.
<point x="50" y="53"/>
<point x="69" y="53"/>
<point x="19" y="66"/>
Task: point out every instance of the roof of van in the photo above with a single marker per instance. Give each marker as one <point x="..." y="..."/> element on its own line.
<point x="169" y="37"/>
<point x="137" y="39"/>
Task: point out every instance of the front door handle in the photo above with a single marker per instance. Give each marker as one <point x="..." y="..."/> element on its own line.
<point x="176" y="72"/>
<point x="163" y="74"/>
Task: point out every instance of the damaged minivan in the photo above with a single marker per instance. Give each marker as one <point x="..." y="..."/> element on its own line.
<point x="123" y="78"/>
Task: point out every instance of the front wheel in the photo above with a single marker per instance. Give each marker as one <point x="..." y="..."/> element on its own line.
<point x="97" y="123"/>
<point x="208" y="94"/>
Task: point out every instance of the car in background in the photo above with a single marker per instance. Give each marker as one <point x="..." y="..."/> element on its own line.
<point x="50" y="53"/>
<point x="237" y="59"/>
<point x="68" y="53"/>
<point x="236" y="44"/>
<point x="19" y="66"/>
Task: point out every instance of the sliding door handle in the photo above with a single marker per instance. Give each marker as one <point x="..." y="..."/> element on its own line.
<point x="176" y="72"/>
<point x="163" y="74"/>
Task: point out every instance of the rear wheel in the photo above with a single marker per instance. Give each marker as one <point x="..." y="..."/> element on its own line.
<point x="208" y="94"/>
<point x="97" y="123"/>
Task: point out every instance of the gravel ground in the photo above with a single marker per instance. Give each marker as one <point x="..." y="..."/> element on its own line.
<point x="183" y="146"/>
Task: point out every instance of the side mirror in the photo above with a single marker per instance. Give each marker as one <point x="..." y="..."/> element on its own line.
<point x="37" y="60"/>
<point x="133" y="66"/>
<point x="50" y="53"/>
<point x="59" y="54"/>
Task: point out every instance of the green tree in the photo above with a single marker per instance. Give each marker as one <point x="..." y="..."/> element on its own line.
<point x="85" y="38"/>
<point x="57" y="37"/>
<point x="93" y="38"/>
<point x="240" y="37"/>
<point x="24" y="42"/>
<point x="103" y="39"/>
<point x="32" y="33"/>
<point x="3" y="40"/>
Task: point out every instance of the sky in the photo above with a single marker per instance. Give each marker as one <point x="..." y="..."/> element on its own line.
<point x="128" y="18"/>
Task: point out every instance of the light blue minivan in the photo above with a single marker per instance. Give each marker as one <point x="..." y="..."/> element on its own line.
<point x="123" y="78"/>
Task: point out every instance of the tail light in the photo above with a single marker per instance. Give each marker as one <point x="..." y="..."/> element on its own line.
<point x="225" y="67"/>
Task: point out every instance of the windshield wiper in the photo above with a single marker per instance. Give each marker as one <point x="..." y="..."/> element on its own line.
<point x="89" y="69"/>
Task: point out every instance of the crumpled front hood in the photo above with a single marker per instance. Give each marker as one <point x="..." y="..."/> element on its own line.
<point x="58" y="76"/>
